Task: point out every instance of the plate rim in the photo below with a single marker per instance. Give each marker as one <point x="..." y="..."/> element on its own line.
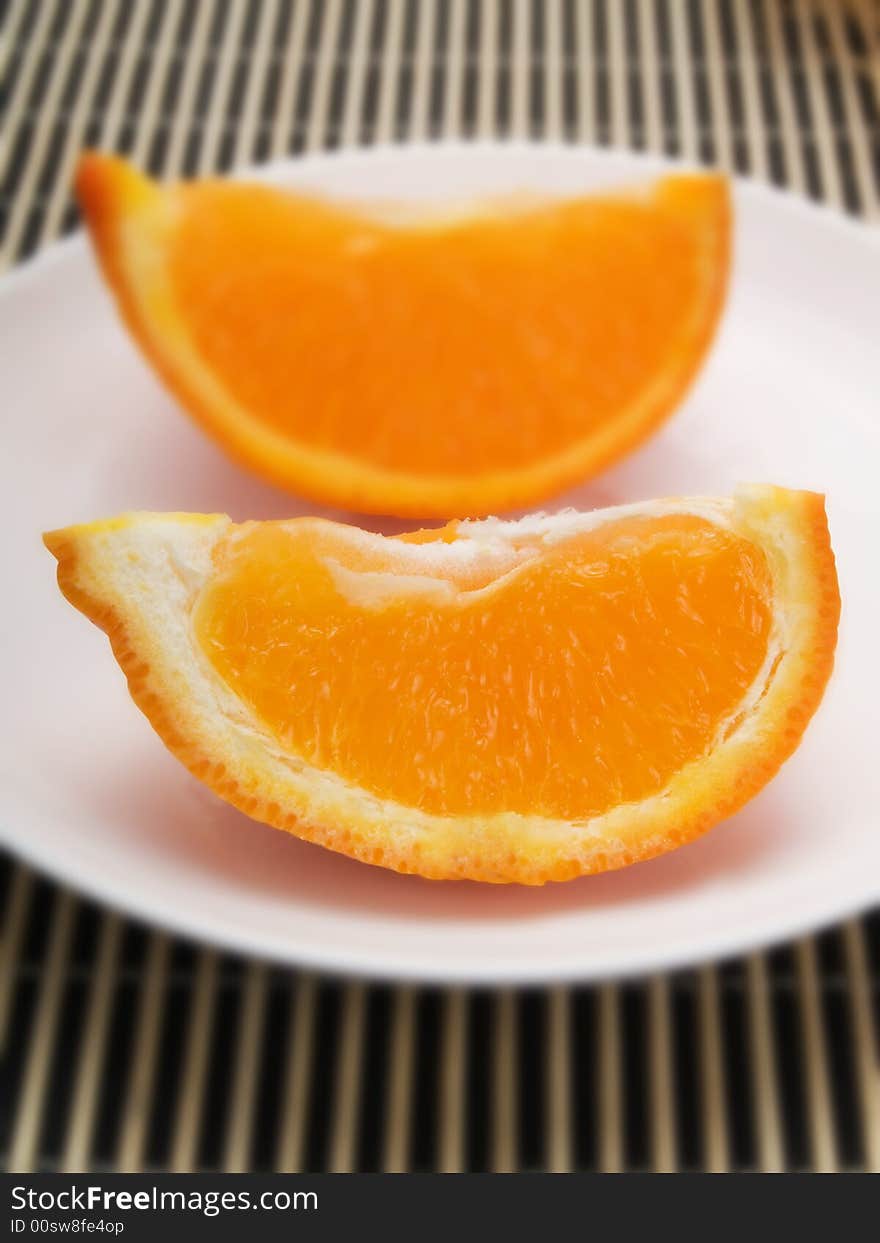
<point x="167" y="916"/>
<point x="858" y="228"/>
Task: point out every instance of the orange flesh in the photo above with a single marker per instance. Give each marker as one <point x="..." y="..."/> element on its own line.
<point x="452" y="348"/>
<point x="584" y="677"/>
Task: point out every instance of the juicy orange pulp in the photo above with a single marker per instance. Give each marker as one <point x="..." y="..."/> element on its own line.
<point x="453" y="347"/>
<point x="560" y="684"/>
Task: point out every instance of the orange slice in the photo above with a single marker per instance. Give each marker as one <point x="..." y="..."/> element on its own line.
<point x="424" y="366"/>
<point x="505" y="701"/>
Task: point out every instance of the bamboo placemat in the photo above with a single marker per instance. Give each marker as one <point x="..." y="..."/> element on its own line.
<point x="124" y="1048"/>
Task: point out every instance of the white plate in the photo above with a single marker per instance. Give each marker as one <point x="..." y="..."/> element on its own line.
<point x="88" y="793"/>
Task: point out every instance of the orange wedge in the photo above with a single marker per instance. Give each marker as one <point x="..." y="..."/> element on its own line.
<point x="504" y="701"/>
<point x="427" y="365"/>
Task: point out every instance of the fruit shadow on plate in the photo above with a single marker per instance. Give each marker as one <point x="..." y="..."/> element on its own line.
<point x="177" y="817"/>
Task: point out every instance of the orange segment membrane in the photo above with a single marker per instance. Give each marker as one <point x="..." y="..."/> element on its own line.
<point x="571" y="678"/>
<point x="449" y="348"/>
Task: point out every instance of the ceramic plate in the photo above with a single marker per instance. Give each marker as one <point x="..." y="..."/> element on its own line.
<point x="87" y="792"/>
